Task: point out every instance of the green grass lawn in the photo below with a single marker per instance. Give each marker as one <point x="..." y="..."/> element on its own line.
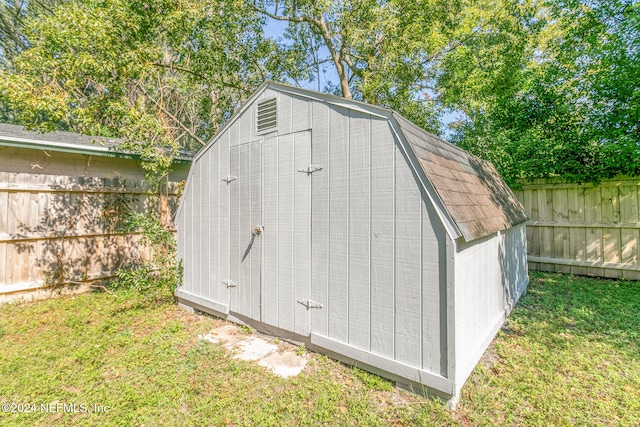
<point x="570" y="355"/>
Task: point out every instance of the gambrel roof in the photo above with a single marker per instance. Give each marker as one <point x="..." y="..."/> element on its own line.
<point x="474" y="194"/>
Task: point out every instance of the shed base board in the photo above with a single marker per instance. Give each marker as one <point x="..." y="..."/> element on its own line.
<point x="202" y="304"/>
<point x="407" y="377"/>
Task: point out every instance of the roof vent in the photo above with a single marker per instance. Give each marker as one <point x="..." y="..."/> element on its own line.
<point x="267" y="117"/>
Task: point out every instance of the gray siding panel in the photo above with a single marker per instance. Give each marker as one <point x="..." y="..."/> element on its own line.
<point x="382" y="238"/>
<point x="246" y="203"/>
<point x="214" y="222"/>
<point x="271" y="235"/>
<point x="320" y="217"/>
<point x="302" y="232"/>
<point x="484" y="277"/>
<point x="408" y="280"/>
<point x="199" y="204"/>
<point x="234" y="134"/>
<point x="246" y="124"/>
<point x="284" y="114"/>
<point x="301" y="114"/>
<point x="185" y="240"/>
<point x="338" y="302"/>
<point x="255" y="249"/>
<point x="286" y="168"/>
<point x="359" y="231"/>
<point x="235" y="236"/>
<point x="206" y="225"/>
<point x="224" y="241"/>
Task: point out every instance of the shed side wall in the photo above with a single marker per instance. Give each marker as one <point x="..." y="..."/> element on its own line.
<point x="490" y="276"/>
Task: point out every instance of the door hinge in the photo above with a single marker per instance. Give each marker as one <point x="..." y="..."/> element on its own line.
<point x="311" y="169"/>
<point x="310" y="303"/>
<point x="229" y="179"/>
<point x="230" y="283"/>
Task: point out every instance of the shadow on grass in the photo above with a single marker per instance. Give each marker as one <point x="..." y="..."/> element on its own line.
<point x="558" y="306"/>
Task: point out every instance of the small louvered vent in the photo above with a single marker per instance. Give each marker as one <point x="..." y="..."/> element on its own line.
<point x="267" y="117"/>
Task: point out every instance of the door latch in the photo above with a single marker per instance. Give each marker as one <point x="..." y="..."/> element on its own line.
<point x="310" y="303"/>
<point x="230" y="283"/>
<point x="311" y="169"/>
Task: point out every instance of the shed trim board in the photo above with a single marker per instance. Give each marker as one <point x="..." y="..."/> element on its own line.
<point x="349" y="229"/>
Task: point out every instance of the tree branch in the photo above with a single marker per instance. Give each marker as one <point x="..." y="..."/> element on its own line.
<point x="174" y="118"/>
<point x="321" y="25"/>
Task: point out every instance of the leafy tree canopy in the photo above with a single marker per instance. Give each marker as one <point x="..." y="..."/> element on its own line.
<point x="162" y="74"/>
<point x="545" y="88"/>
<point x="573" y="111"/>
<point x="403" y="54"/>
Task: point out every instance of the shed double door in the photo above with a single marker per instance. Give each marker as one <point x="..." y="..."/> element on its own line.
<point x="271" y="231"/>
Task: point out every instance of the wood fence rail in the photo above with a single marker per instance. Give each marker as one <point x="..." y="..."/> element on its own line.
<point x="583" y="229"/>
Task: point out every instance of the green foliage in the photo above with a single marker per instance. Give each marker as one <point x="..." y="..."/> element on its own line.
<point x="162" y="75"/>
<point x="247" y="330"/>
<point x="372" y="381"/>
<point x="161" y="272"/>
<point x="573" y="111"/>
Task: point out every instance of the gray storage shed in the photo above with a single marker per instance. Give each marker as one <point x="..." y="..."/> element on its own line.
<point x="345" y="226"/>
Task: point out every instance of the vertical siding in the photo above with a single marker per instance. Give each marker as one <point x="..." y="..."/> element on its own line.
<point x="338" y="298"/>
<point x="208" y="228"/>
<point x="224" y="220"/>
<point x="255" y="254"/>
<point x="246" y="257"/>
<point x="235" y="237"/>
<point x="271" y="233"/>
<point x="198" y="204"/>
<point x="301" y="231"/>
<point x="488" y="274"/>
<point x="359" y="229"/>
<point x="408" y="268"/>
<point x="383" y="153"/>
<point x="213" y="187"/>
<point x="300" y="114"/>
<point x="434" y="304"/>
<point x="320" y="217"/>
<point x="380" y="242"/>
<point x="246" y="125"/>
<point x="286" y="168"/>
<point x="284" y="114"/>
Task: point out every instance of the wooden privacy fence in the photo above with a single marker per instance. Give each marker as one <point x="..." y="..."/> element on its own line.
<point x="583" y="228"/>
<point x="60" y="230"/>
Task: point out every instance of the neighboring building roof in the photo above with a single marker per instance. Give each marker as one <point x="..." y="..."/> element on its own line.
<point x="68" y="142"/>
